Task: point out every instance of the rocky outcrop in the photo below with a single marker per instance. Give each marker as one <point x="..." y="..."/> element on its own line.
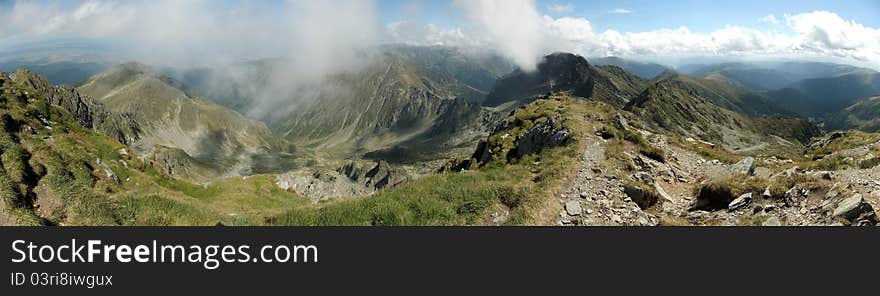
<point x="320" y="184"/>
<point x="108" y="171"/>
<point x="376" y="175"/>
<point x="565" y="72"/>
<point x="823" y="141"/>
<point x="711" y="198"/>
<point x="526" y="132"/>
<point x="539" y="137"/>
<point x="83" y="108"/>
<point x="86" y="110"/>
<point x="355" y="178"/>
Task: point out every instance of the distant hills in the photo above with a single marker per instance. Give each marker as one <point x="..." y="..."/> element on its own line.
<point x="760" y="76"/>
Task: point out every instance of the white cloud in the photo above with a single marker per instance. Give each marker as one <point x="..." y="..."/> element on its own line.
<point x="414" y="33"/>
<point x="827" y="33"/>
<point x="561" y="8"/>
<point x="513" y="27"/>
<point x="621" y="11"/>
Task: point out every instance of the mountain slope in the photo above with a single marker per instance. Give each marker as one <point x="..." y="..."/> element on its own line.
<point x="166" y="116"/>
<point x="674" y="105"/>
<point x="863" y="115"/>
<point x="725" y="95"/>
<point x="822" y="96"/>
<point x="747" y="76"/>
<point x="643" y="70"/>
<point x="477" y="72"/>
<point x="390" y="103"/>
<point x="564" y="72"/>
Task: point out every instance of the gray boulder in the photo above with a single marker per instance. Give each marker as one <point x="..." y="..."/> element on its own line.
<point x="746" y="166"/>
<point x="856" y="210"/>
<point x="740" y="202"/>
<point x="573" y="208"/>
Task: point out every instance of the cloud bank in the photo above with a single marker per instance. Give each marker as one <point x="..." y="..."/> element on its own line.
<point x="522" y="34"/>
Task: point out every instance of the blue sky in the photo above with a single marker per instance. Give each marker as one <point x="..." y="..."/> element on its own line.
<point x="643" y="15"/>
<point x="705" y="15"/>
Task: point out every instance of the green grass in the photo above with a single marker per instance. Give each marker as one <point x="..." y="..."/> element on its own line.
<point x="447" y="199"/>
<point x="158" y="211"/>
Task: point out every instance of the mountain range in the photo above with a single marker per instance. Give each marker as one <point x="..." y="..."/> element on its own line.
<point x="397" y="120"/>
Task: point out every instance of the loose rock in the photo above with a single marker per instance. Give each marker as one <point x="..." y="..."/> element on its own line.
<point x="772" y="221"/>
<point x="573" y="208"/>
<point x="740" y="201"/>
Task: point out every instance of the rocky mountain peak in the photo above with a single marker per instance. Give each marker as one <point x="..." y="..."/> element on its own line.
<point x="570" y="73"/>
<point x="565" y="66"/>
<point x="30" y="79"/>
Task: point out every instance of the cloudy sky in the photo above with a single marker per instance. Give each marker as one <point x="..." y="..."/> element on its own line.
<point x="522" y="30"/>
